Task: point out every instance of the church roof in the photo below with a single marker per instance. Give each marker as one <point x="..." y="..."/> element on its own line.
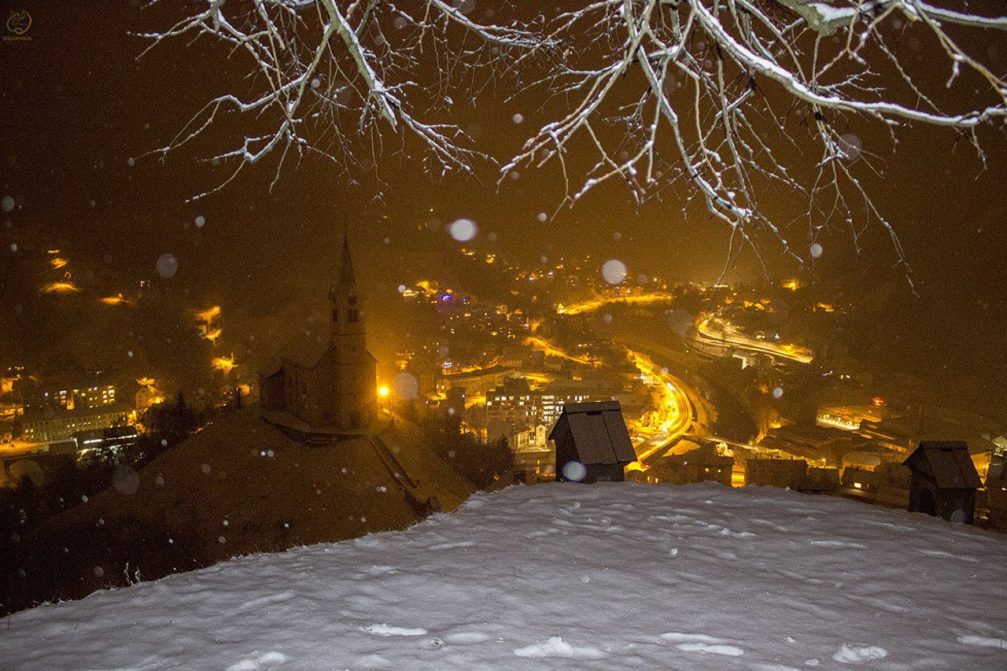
<point x="307" y="351"/>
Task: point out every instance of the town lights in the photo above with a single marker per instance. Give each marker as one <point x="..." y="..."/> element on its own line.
<point x="224" y="363"/>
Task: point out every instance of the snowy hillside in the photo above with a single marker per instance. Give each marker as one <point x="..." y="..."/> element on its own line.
<point x="564" y="576"/>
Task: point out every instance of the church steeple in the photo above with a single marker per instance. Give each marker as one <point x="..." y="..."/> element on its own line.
<point x="346" y="269"/>
<point x="347" y="317"/>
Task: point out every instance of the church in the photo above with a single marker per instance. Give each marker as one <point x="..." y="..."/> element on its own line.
<point x="326" y="383"/>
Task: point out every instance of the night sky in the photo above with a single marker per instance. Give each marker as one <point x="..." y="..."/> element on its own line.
<point x="76" y="105"/>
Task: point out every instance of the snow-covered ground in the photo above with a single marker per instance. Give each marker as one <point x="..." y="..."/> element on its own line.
<point x="565" y="576"/>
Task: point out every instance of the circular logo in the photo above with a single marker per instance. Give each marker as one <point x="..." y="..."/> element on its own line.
<point x="19" y="22"/>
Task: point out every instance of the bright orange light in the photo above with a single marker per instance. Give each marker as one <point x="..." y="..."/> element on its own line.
<point x="543" y="345"/>
<point x="224" y="363"/>
<point x="145" y="381"/>
<point x="209" y="314"/>
<point x="791" y="284"/>
<point x="213" y="335"/>
<point x="595" y="304"/>
<point x="60" y="288"/>
<point x="878" y="402"/>
<point x="117" y="299"/>
<point x="57" y="262"/>
<point x="384" y="391"/>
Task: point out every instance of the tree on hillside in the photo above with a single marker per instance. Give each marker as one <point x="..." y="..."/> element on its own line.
<point x="170" y="422"/>
<point x="481" y="463"/>
<point x="731" y="98"/>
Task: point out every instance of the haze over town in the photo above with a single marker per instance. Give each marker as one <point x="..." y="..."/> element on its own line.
<point x="302" y="273"/>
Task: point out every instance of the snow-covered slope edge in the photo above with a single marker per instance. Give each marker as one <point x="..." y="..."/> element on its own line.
<point x="568" y="577"/>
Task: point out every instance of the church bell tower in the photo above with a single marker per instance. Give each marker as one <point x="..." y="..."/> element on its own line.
<point x="355" y="371"/>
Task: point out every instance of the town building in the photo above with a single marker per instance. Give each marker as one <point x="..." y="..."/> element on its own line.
<point x="99" y="444"/>
<point x="788" y="473"/>
<point x="326" y="382"/>
<point x="996" y="489"/>
<point x="699" y="465"/>
<point x="892" y="485"/>
<point x="476" y="382"/>
<point x="859" y="483"/>
<point x="821" y="481"/>
<point x="53" y="426"/>
<point x="68" y="397"/>
<point x="513" y="403"/>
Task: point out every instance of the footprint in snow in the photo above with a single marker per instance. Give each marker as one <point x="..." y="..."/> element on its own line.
<point x="983" y="641"/>
<point x="432" y="643"/>
<point x="938" y="554"/>
<point x="557" y="647"/>
<point x="389" y="630"/>
<point x="714" y="649"/>
<point x="839" y="544"/>
<point x="451" y="546"/>
<point x="266" y="661"/>
<point x="855" y="654"/>
<point x="703" y="644"/>
<point x="466" y="637"/>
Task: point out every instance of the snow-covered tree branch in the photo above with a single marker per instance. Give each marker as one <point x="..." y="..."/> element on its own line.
<point x="721" y="95"/>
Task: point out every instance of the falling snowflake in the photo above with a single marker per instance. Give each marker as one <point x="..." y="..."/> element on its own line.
<point x="574" y="471"/>
<point x="613" y="271"/>
<point x="167" y="266"/>
<point x="851" y="146"/>
<point x="406" y="386"/>
<point x="463" y="230"/>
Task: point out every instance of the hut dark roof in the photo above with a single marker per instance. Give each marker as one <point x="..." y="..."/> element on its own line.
<point x="598" y="431"/>
<point x="947" y="462"/>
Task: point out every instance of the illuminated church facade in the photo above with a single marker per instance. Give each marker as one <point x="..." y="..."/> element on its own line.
<point x="326" y="382"/>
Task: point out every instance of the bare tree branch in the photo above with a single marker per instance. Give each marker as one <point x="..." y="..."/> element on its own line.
<point x="720" y="94"/>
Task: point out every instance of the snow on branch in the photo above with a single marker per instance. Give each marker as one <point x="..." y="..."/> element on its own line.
<point x="327" y="73"/>
<point x="722" y="95"/>
<point x="727" y="97"/>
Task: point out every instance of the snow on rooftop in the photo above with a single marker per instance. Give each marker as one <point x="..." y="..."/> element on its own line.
<point x="565" y="576"/>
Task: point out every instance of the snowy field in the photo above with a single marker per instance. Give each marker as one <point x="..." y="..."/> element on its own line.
<point x="564" y="576"/>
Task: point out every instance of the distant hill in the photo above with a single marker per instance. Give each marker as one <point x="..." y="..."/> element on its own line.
<point x="237" y="487"/>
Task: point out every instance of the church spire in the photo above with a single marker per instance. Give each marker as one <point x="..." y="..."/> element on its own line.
<point x="347" y="316"/>
<point x="346" y="276"/>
